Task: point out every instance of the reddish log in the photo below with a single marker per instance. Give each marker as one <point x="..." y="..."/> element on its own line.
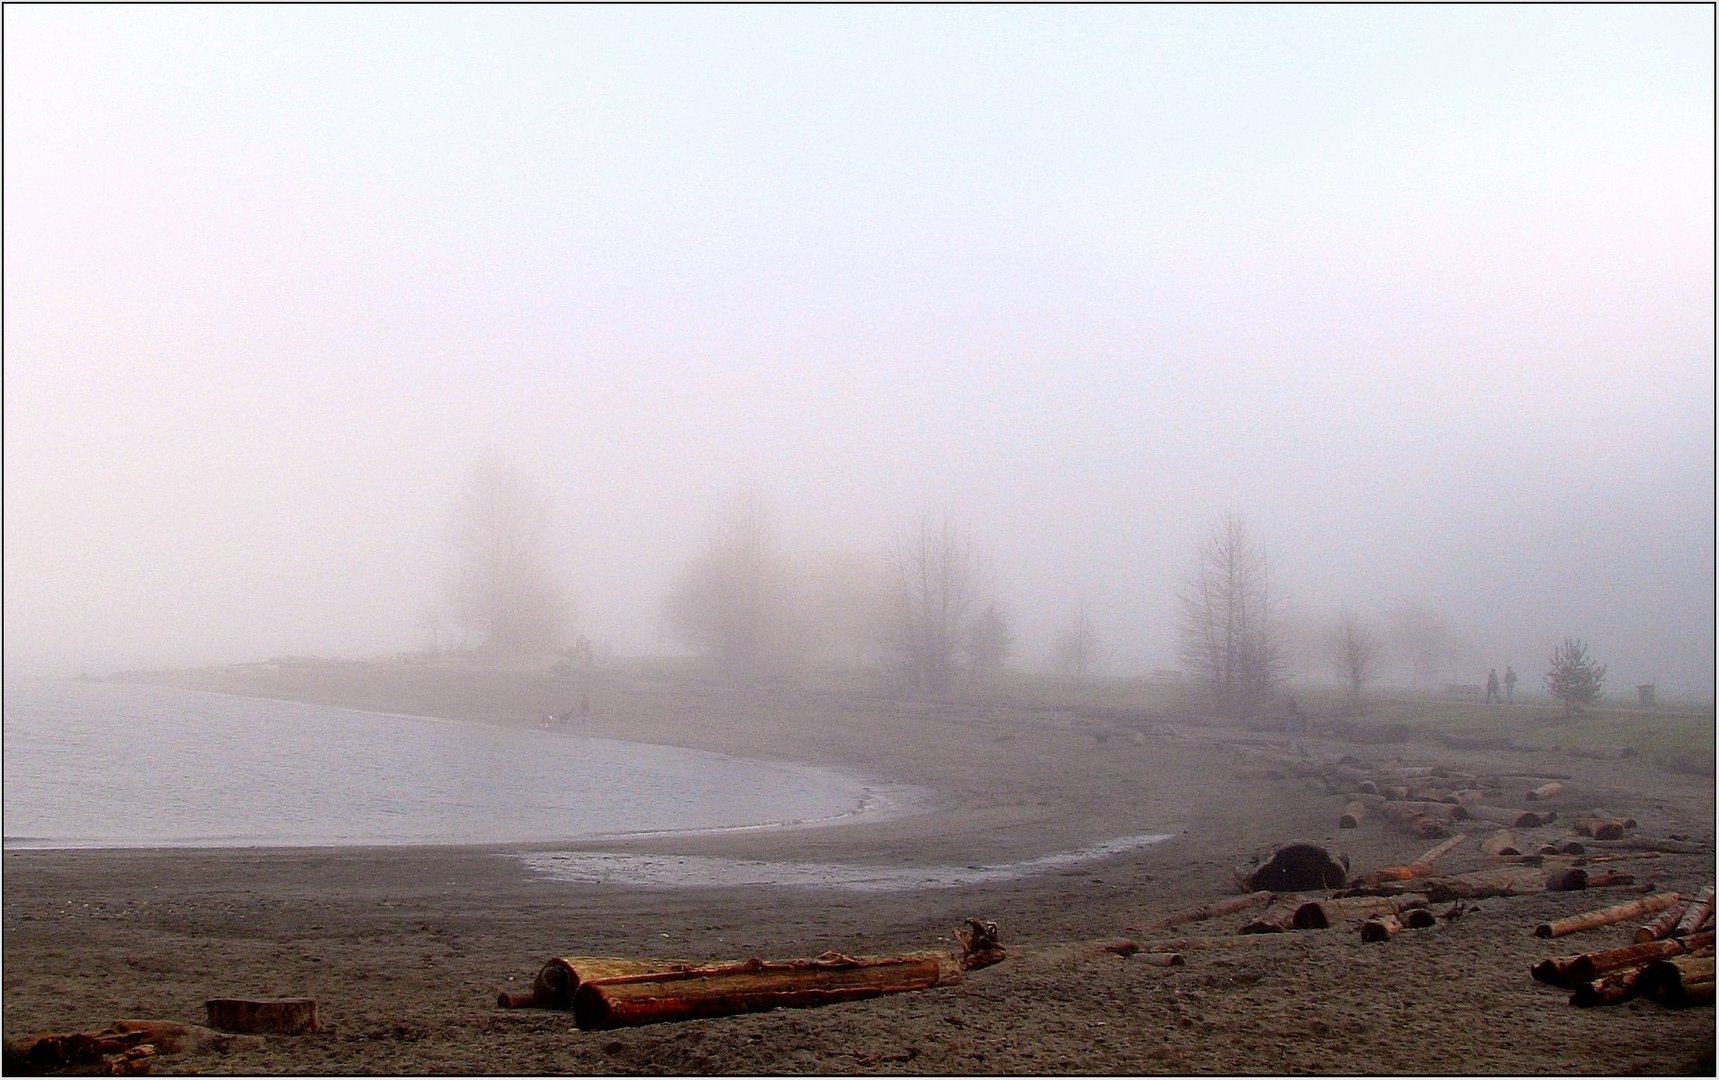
<point x="1699" y="911"/>
<point x="1588" y="920"/>
<point x="558" y="980"/>
<point x="1612" y="989"/>
<point x="1571" y="971"/>
<point x="754" y="986"/>
<point x="1662" y="924"/>
<point x="1420" y="867"/>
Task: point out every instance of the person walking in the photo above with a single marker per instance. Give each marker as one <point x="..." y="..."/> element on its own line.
<point x="1509" y="684"/>
<point x="1492" y="686"/>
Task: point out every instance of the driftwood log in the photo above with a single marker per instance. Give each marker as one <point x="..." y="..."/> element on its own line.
<point x="259" y="1016"/>
<point x="1297" y="867"/>
<point x="1661" y="925"/>
<point x="1602" y="828"/>
<point x="126" y="1046"/>
<point x="1609" y="989"/>
<point x="1679" y="981"/>
<point x="1207" y="911"/>
<point x="559" y="979"/>
<point x="1324" y="914"/>
<point x="1572" y="971"/>
<point x="1420" y="867"/>
<point x="1502" y="842"/>
<point x="1353" y="814"/>
<point x="1550" y="789"/>
<point x="1698" y="912"/>
<point x="753" y="986"/>
<point x="1515" y="819"/>
<point x="1588" y="920"/>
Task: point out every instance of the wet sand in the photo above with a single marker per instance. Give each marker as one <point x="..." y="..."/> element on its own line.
<point x="405" y="949"/>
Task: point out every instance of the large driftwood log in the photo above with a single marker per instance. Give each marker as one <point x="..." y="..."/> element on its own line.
<point x="1588" y="920"/>
<point x="1661" y="925"/>
<point x="1515" y="819"/>
<point x="1297" y="866"/>
<point x="1324" y="914"/>
<point x="1571" y="971"/>
<point x="753" y="986"/>
<point x="257" y="1016"/>
<point x="1679" y="981"/>
<point x="1649" y="843"/>
<point x="559" y="978"/>
<point x="1619" y="986"/>
<point x="1699" y="911"/>
<point x="1502" y="842"/>
<point x="1276" y="919"/>
<point x="1207" y="911"/>
<point x="1602" y="828"/>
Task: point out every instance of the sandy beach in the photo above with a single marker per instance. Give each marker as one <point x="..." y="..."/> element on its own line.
<point x="405" y="949"/>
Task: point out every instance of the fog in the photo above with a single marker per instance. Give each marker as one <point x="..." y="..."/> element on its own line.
<point x="1426" y="295"/>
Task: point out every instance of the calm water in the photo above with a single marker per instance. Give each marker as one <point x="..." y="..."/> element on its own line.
<point x="114" y="765"/>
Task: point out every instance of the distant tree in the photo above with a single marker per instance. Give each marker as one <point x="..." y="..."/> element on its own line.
<point x="728" y="602"/>
<point x="934" y="582"/>
<point x="1356" y="648"/>
<point x="1229" y="624"/>
<point x="1421" y="637"/>
<point x="1573" y="678"/>
<point x="1076" y="651"/>
<point x="989" y="640"/>
<point x="502" y="586"/>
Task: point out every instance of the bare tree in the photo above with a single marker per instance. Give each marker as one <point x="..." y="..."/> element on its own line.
<point x="502" y="585"/>
<point x="1422" y="638"/>
<point x="728" y="601"/>
<point x="1229" y="625"/>
<point x="989" y="640"/>
<point x="1355" y="650"/>
<point x="1077" y="650"/>
<point x="934" y="582"/>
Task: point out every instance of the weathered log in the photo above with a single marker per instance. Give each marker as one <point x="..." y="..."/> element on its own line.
<point x="1619" y="986"/>
<point x="1679" y="981"/>
<point x="1566" y="879"/>
<point x="1469" y="796"/>
<point x="1381" y="928"/>
<point x="1419" y="918"/>
<point x="1588" y="920"/>
<point x="753" y="986"/>
<point x="1502" y="842"/>
<point x="559" y="978"/>
<point x="1420" y="867"/>
<point x="257" y="1016"/>
<point x="1208" y="911"/>
<point x="133" y="1062"/>
<point x="1276" y="919"/>
<point x="1515" y="819"/>
<point x="1699" y="911"/>
<point x="1352" y="815"/>
<point x="979" y="944"/>
<point x="1506" y="881"/>
<point x="1444" y="812"/>
<point x="1661" y="925"/>
<point x="1324" y="914"/>
<point x="1571" y="971"/>
<point x="1649" y="843"/>
<point x="1601" y="828"/>
<point x="1548" y="790"/>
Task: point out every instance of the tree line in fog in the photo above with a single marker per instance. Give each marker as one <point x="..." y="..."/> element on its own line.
<point x="921" y="611"/>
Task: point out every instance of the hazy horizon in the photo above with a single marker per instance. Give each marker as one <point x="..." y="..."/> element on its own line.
<point x="1424" y="294"/>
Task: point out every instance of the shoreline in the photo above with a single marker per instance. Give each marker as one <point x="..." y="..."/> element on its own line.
<point x="406" y="948"/>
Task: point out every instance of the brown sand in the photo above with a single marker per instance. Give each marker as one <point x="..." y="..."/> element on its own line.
<point x="405" y="949"/>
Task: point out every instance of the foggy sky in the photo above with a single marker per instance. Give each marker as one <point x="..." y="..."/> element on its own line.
<point x="1425" y="294"/>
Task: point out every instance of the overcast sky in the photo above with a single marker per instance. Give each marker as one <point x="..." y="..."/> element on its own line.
<point x="1423" y="293"/>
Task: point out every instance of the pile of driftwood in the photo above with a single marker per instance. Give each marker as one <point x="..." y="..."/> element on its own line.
<point x="610" y="992"/>
<point x="1670" y="960"/>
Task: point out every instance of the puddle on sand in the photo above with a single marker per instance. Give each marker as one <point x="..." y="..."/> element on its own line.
<point x="682" y="871"/>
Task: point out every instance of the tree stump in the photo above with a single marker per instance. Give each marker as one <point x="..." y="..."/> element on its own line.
<point x="283" y="1016"/>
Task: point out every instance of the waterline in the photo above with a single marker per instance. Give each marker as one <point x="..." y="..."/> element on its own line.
<point x="693" y="871"/>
